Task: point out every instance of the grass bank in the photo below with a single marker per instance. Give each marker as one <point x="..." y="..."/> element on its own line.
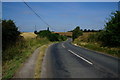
<point x="40" y="60"/>
<point x="17" y="54"/>
<point x="83" y="42"/>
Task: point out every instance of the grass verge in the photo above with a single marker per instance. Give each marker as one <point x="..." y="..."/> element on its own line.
<point x="96" y="47"/>
<point x="84" y="41"/>
<point x="40" y="60"/>
<point x="16" y="55"/>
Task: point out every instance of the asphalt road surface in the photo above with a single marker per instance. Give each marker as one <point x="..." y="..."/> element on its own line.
<point x="64" y="60"/>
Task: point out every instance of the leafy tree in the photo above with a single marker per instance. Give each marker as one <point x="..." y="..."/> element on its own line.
<point x="89" y="30"/>
<point x="44" y="33"/>
<point x="35" y="32"/>
<point x="111" y="35"/>
<point x="85" y="30"/>
<point x="10" y="33"/>
<point x="53" y="37"/>
<point x="76" y="33"/>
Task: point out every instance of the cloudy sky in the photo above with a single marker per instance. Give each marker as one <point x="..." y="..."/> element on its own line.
<point x="62" y="16"/>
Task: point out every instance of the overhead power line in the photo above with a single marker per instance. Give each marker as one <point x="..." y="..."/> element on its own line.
<point x="36" y="14"/>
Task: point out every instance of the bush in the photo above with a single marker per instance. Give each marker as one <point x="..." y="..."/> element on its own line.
<point x="111" y="35"/>
<point x="10" y="33"/>
<point x="51" y="36"/>
<point x="17" y="54"/>
<point x="44" y="33"/>
<point x="62" y="38"/>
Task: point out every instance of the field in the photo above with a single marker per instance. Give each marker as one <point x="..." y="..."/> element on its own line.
<point x="28" y="35"/>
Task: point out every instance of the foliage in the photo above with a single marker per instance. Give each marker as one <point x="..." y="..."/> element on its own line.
<point x="35" y="32"/>
<point x="44" y="33"/>
<point x="111" y="35"/>
<point x="10" y="33"/>
<point x="90" y="40"/>
<point x="51" y="36"/>
<point x="62" y="38"/>
<point x="76" y="33"/>
<point x="90" y="30"/>
<point x="18" y="53"/>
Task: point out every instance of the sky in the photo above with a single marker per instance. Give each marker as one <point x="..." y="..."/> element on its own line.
<point x="62" y="16"/>
<point x="61" y="0"/>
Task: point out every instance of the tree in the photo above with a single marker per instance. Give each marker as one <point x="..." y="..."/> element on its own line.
<point x="89" y="30"/>
<point x="44" y="33"/>
<point x="35" y="32"/>
<point x="85" y="30"/>
<point x="51" y="36"/>
<point x="10" y="33"/>
<point x="76" y="33"/>
<point x="110" y="36"/>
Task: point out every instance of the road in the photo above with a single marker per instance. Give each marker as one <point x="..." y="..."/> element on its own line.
<point x="64" y="60"/>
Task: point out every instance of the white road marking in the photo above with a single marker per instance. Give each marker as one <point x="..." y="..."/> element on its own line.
<point x="80" y="57"/>
<point x="63" y="45"/>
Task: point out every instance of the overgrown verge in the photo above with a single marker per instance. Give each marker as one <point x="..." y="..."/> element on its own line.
<point x="84" y="41"/>
<point x="18" y="53"/>
<point x="40" y="60"/>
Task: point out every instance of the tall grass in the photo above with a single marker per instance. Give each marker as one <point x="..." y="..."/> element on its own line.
<point x="88" y="41"/>
<point x="15" y="55"/>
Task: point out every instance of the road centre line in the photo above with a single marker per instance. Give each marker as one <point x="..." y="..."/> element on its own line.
<point x="81" y="57"/>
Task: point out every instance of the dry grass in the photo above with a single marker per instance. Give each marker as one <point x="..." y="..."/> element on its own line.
<point x="84" y="37"/>
<point x="18" y="54"/>
<point x="28" y="35"/>
<point x="40" y="60"/>
<point x="83" y="42"/>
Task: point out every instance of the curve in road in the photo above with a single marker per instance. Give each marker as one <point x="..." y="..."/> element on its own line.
<point x="64" y="60"/>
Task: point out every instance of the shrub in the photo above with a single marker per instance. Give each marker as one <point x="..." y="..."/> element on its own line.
<point x="111" y="35"/>
<point x="51" y="36"/>
<point x="10" y="33"/>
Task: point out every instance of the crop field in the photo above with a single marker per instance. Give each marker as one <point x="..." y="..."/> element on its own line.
<point x="28" y="35"/>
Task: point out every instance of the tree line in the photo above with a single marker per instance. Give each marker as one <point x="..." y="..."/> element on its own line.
<point x="87" y="30"/>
